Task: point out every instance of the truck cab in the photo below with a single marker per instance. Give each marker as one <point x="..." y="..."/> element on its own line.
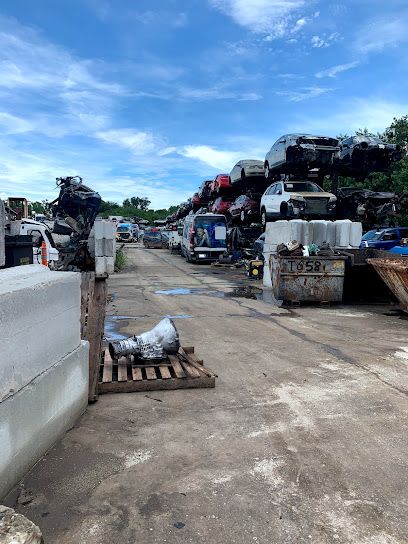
<point x="384" y="238"/>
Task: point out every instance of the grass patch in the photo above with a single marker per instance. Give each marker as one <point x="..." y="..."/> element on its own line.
<point x="120" y="260"/>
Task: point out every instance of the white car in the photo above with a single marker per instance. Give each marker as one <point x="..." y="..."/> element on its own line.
<point x="293" y="199"/>
<point x="249" y="168"/>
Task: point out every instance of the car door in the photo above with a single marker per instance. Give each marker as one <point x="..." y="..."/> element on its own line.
<point x="267" y="200"/>
<point x="277" y="199"/>
<point x="236" y="207"/>
<point x="279" y="152"/>
<point x="389" y="239"/>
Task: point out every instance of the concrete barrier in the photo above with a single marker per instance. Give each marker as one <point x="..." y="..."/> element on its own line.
<point x="44" y="366"/>
<point x="39" y="322"/>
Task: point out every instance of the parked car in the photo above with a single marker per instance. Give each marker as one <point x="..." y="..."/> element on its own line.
<point x="362" y="154"/>
<point x="184" y="209"/>
<point x="175" y="235"/>
<point x="155" y="239"/>
<point x="384" y="238"/>
<point x="248" y="168"/>
<point x="402" y="248"/>
<point x="259" y="247"/>
<point x="204" y="191"/>
<point x="222" y="204"/>
<point x="298" y="153"/>
<point x="204" y="237"/>
<point x="245" y="209"/>
<point x="199" y="202"/>
<point x="291" y="199"/>
<point x="369" y="207"/>
<point x="220" y="184"/>
<point x="124" y="232"/>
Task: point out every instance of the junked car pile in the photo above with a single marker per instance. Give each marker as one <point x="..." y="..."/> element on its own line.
<point x="288" y="183"/>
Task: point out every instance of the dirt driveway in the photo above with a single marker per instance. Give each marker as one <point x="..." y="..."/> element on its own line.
<point x="304" y="438"/>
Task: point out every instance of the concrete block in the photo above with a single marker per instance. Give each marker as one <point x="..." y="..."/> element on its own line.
<point x="319" y="231"/>
<point x="33" y="419"/>
<point x="104" y="266"/>
<point x="277" y="232"/>
<point x="39" y="322"/>
<point x="102" y="240"/>
<point x="331" y="233"/>
<point x="267" y="280"/>
<point x="356" y="233"/>
<point x="343" y="227"/>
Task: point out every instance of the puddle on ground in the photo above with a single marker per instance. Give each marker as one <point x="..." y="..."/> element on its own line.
<point x="178" y="316"/>
<point x="244" y="291"/>
<point x="110" y="325"/>
<point x="189" y="291"/>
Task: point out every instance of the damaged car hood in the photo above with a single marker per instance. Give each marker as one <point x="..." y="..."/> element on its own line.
<point x="308" y="194"/>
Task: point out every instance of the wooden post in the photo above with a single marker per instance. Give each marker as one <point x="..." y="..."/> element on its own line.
<point x="93" y="299"/>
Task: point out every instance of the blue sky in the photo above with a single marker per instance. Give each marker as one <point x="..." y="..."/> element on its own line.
<point x="151" y="97"/>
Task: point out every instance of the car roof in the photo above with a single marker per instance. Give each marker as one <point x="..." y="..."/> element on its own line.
<point x="303" y="135"/>
<point x="244" y="162"/>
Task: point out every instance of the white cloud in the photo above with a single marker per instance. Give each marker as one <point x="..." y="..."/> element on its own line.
<point x="300" y="23"/>
<point x="371" y="112"/>
<point x="381" y="33"/>
<point x="11" y="124"/>
<point x="260" y="16"/>
<point x="304" y="94"/>
<point x="214" y="93"/>
<point x="223" y="160"/>
<point x="326" y="40"/>
<point x="137" y="142"/>
<point x="338" y="69"/>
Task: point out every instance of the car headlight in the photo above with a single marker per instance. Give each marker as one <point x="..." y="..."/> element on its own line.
<point x="298" y="202"/>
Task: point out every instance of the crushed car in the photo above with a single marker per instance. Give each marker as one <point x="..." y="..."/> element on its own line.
<point x="74" y="212"/>
<point x="248" y="168"/>
<point x="296" y="199"/>
<point x="299" y="153"/>
<point x="362" y="154"/>
<point x="370" y="207"/>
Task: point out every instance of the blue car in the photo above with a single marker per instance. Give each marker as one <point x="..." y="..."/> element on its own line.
<point x="385" y="238"/>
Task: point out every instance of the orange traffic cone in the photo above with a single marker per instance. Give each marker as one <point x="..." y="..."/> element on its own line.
<point x="44" y="259"/>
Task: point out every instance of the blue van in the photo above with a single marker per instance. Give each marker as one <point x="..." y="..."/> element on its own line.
<point x="384" y="238"/>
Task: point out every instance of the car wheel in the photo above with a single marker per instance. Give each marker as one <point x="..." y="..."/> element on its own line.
<point x="284" y="210"/>
<point x="242" y="215"/>
<point x="263" y="219"/>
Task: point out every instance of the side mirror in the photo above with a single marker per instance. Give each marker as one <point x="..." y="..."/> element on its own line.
<point x="279" y="192"/>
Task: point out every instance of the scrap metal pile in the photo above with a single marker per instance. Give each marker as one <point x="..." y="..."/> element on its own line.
<point x="75" y="211"/>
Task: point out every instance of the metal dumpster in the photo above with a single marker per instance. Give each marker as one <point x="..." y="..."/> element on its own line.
<point x="394" y="273"/>
<point x="307" y="279"/>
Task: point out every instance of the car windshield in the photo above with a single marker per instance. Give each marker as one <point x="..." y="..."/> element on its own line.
<point x="165" y="234"/>
<point x="123" y="229"/>
<point x="302" y="187"/>
<point x="372" y="235"/>
<point x="318" y="140"/>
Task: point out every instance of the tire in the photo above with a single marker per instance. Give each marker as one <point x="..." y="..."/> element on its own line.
<point x="263" y="218"/>
<point x="284" y="210"/>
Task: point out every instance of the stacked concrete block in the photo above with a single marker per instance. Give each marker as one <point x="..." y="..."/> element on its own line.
<point x="341" y="234"/>
<point x="43" y="365"/>
<point x="102" y="246"/>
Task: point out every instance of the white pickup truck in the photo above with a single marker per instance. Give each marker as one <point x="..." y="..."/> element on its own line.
<point x="39" y="232"/>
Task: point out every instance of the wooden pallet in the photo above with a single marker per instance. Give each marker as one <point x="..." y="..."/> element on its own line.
<point x="180" y="371"/>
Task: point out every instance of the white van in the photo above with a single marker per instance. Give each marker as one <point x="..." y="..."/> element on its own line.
<point x="204" y="237"/>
